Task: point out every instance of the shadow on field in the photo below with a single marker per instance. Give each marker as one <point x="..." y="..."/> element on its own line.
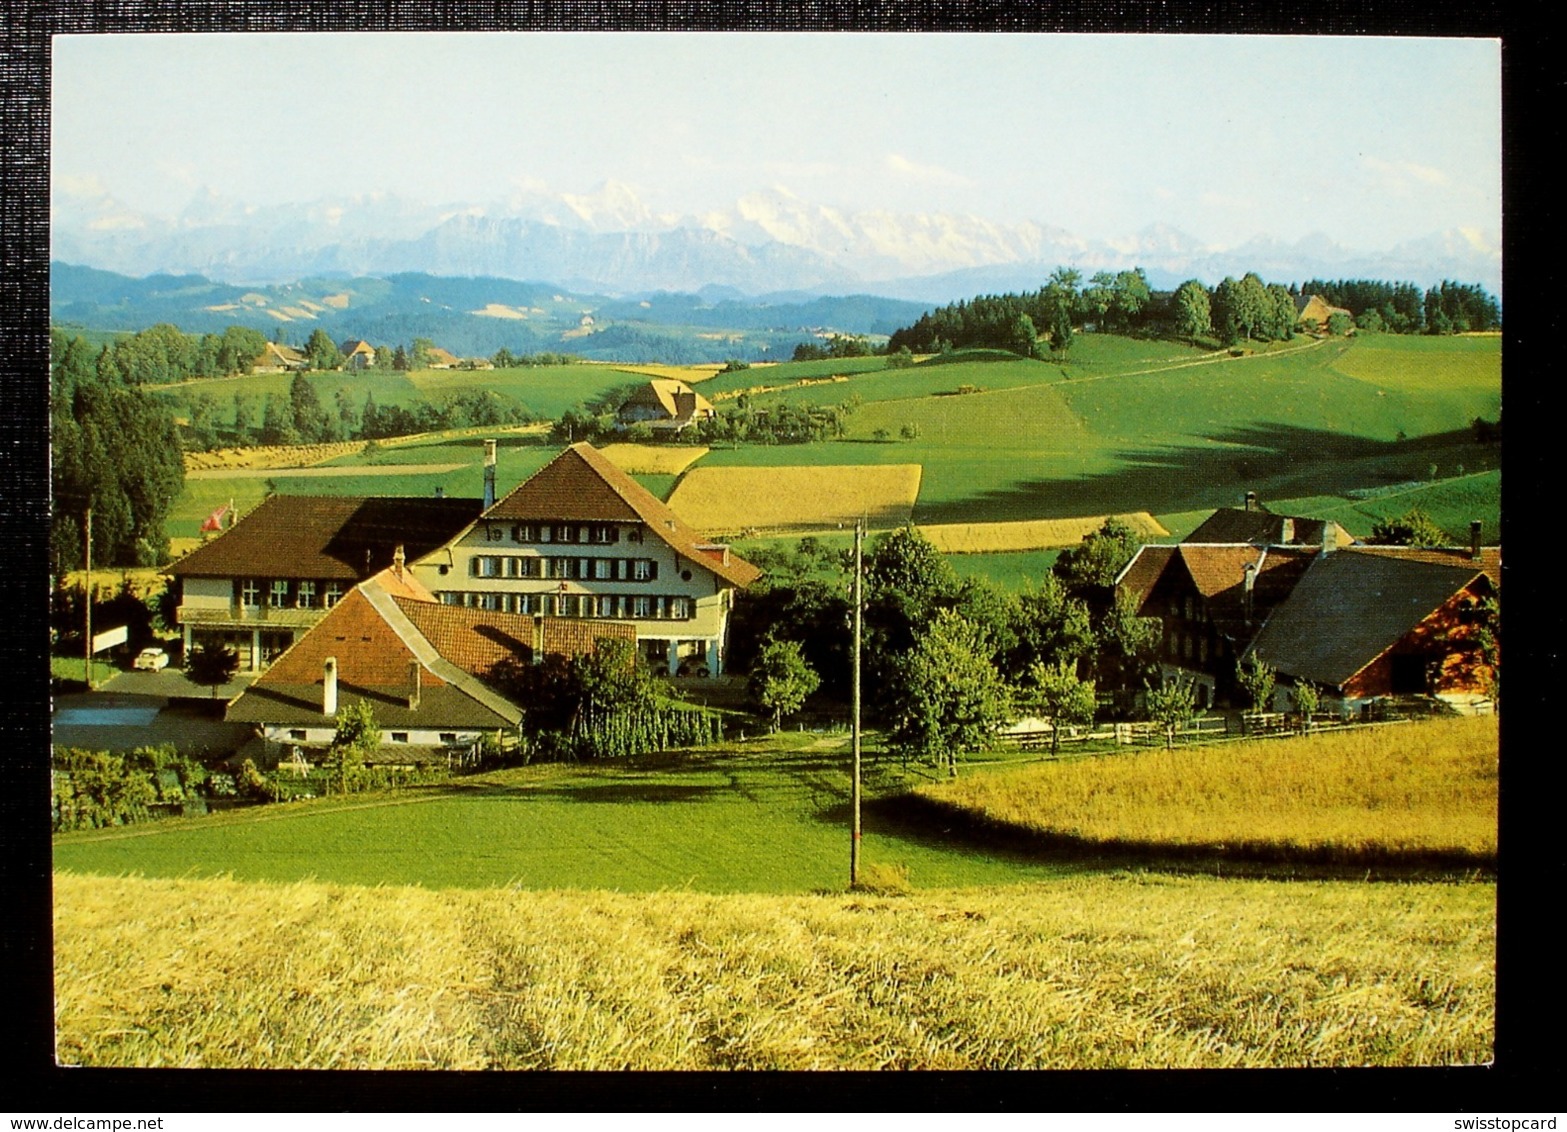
<point x="916" y="818"/>
<point x="627" y="792"/>
<point x="1277" y="460"/>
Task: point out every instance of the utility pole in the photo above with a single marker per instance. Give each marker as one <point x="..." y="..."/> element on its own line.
<point x="87" y="599"/>
<point x="854" y="843"/>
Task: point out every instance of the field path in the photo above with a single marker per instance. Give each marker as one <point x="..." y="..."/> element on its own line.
<point x="338" y="470"/>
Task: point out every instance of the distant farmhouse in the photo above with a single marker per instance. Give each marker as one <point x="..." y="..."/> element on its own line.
<point x="1357" y="622"/>
<point x="666" y="405"/>
<point x="357" y="354"/>
<point x="1313" y="312"/>
<point x="278" y="358"/>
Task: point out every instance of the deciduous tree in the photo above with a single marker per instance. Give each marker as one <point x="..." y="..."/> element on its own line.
<point x="781" y="680"/>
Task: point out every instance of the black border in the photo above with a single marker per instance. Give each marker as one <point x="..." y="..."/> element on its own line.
<point x="1527" y="1070"/>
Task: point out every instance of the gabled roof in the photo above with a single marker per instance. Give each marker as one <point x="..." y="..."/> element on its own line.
<point x="581" y="485"/>
<point x="277" y="354"/>
<point x="331" y="537"/>
<point x="1350" y="608"/>
<point x="662" y="393"/>
<point x="475" y="640"/>
<point x="441" y="357"/>
<point x="1139" y="575"/>
<point x="376" y="646"/>
<point x="1262" y="527"/>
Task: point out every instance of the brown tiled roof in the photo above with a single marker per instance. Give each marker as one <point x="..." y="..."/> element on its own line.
<point x="376" y="646"/>
<point x="1214" y="569"/>
<point x="1263" y="528"/>
<point x="569" y="637"/>
<point x="580" y="485"/>
<point x="662" y="393"/>
<point x="1490" y="557"/>
<point x="369" y="652"/>
<point x="1143" y="571"/>
<point x="327" y="536"/>
<point x="475" y="640"/>
<point x="1350" y="608"/>
<point x="441" y="357"/>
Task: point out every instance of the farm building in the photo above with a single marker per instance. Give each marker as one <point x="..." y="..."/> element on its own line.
<point x="1400" y="625"/>
<point x="1256" y="525"/>
<point x="666" y="405"/>
<point x="438" y="358"/>
<point x="419" y="665"/>
<point x="1313" y="312"/>
<point x="357" y="354"/>
<point x="278" y="358"/>
<point x="581" y="539"/>
<point x="259" y="585"/>
<point x="1360" y="622"/>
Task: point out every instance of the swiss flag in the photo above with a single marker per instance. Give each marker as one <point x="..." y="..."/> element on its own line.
<point x="214" y="521"/>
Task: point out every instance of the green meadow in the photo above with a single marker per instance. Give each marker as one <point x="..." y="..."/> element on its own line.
<point x="1354" y="430"/>
<point x="765" y="815"/>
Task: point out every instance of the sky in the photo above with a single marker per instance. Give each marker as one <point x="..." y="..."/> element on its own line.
<point x="1371" y="140"/>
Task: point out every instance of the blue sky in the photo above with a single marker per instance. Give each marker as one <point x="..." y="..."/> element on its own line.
<point x="1372" y="140"/>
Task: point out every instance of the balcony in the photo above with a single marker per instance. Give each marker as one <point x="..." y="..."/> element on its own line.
<point x="238" y="616"/>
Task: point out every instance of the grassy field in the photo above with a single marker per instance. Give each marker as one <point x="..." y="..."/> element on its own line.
<point x="1420" y="792"/>
<point x="1109" y="971"/>
<point x="769" y="816"/>
<point x="653" y="459"/>
<point x="1346" y="429"/>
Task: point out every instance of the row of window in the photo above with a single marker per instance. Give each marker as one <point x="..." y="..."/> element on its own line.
<point x="639" y="607"/>
<point x="582" y="569"/>
<point x="602" y="534"/>
<point x="286" y="593"/>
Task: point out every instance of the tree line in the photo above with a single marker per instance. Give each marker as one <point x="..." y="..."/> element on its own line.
<point x="117" y="452"/>
<point x="1042" y="322"/>
<point x="945" y="659"/>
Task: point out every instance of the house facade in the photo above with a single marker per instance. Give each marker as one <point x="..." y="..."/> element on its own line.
<point x="582" y="540"/>
<point x="258" y="586"/>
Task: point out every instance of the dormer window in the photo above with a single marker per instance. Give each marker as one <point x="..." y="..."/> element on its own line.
<point x="334" y="594"/>
<point x="250" y="593"/>
<point x="277" y="598"/>
<point x="306" y="598"/>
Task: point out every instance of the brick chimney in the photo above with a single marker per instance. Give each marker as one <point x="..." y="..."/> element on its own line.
<point x="329" y="687"/>
<point x="415" y="684"/>
<point x="1474" y="540"/>
<point x="489" y="474"/>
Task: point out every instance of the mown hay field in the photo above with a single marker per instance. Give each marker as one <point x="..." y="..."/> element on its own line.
<point x="799" y="498"/>
<point x="1414" y="792"/>
<point x="1407" y="361"/>
<point x="651" y="459"/>
<point x="1038" y="534"/>
<point x="280" y="456"/>
<point x="1106" y="971"/>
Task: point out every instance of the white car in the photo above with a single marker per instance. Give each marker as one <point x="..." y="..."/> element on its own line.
<point x="151" y="660"/>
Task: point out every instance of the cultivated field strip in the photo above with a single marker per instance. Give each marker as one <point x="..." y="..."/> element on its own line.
<point x="1109" y="971"/>
<point x="651" y="459"/>
<point x="1030" y="534"/>
<point x="800" y="497"/>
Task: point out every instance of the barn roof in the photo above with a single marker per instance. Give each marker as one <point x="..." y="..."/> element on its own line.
<point x="1350" y="608"/>
<point x="1263" y="528"/>
<point x="332" y="537"/>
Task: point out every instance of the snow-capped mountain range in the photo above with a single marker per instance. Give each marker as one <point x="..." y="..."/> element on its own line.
<point x="610" y="242"/>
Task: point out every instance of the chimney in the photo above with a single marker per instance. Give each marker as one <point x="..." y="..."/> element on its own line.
<point x="399" y="560"/>
<point x="1329" y="543"/>
<point x="1287" y="534"/>
<point x="489" y="474"/>
<point x="1474" y="540"/>
<point x="415" y="686"/>
<point x="329" y="687"/>
<point x="1251" y="501"/>
<point x="538" y="638"/>
<point x="440" y="493"/>
<point x="1248" y="584"/>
